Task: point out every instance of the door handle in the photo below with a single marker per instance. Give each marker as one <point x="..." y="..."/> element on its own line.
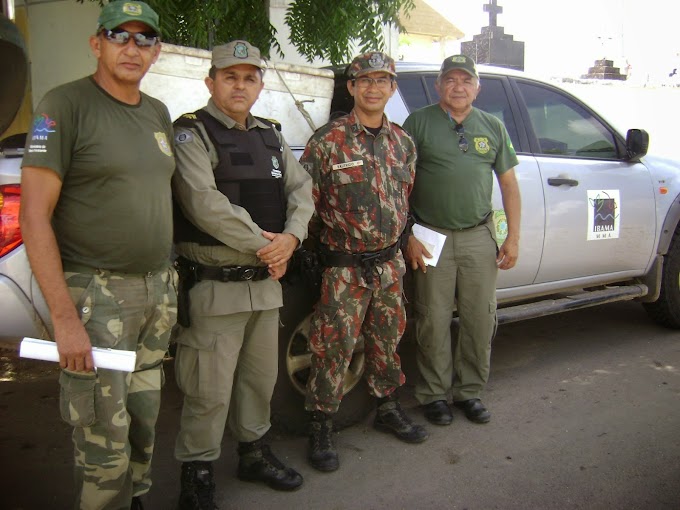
<point x="559" y="181"/>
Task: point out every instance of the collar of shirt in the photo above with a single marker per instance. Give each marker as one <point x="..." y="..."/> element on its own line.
<point x="357" y="127"/>
<point x="251" y="122"/>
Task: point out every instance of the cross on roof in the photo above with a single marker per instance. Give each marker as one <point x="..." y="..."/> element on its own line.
<point x="493" y="10"/>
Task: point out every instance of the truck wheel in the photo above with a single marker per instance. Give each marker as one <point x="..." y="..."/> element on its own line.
<point x="287" y="405"/>
<point x="666" y="309"/>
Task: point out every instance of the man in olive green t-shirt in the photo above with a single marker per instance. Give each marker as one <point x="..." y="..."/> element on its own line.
<point x="460" y="148"/>
<point x="96" y="217"/>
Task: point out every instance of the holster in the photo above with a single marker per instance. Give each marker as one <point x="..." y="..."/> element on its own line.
<point x="304" y="266"/>
<point x="187" y="280"/>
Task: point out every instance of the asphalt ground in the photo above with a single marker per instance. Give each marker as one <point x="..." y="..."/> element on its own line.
<point x="586" y="415"/>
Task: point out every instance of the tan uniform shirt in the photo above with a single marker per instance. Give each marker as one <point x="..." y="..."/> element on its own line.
<point x="194" y="188"/>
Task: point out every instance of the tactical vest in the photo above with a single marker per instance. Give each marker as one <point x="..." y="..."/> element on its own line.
<point x="249" y="173"/>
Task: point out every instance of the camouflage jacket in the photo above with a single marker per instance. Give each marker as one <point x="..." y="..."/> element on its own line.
<point x="361" y="184"/>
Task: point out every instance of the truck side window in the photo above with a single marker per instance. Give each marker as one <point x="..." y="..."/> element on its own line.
<point x="563" y="127"/>
<point x="413" y="91"/>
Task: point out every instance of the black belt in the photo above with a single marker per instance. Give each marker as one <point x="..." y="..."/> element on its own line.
<point x="484" y="221"/>
<point x="226" y="273"/>
<point x="367" y="259"/>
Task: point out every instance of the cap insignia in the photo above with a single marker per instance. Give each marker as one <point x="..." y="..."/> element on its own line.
<point x="240" y="50"/>
<point x="376" y="61"/>
<point x="132" y="9"/>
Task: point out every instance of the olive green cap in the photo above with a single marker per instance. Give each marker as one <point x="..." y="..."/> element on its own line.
<point x="462" y="62"/>
<point x="114" y="14"/>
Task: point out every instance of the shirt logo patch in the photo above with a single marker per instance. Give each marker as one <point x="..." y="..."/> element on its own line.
<point x="349" y="164"/>
<point x="482" y="145"/>
<point x="275" y="162"/>
<point x="163" y="143"/>
<point x="42" y="127"/>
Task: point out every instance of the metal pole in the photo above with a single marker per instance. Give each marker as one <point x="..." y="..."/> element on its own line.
<point x="8" y="8"/>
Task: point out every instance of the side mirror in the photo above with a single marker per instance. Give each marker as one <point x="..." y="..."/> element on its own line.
<point x="637" y="143"/>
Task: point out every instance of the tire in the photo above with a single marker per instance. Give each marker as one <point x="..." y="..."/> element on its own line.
<point x="666" y="310"/>
<point x="287" y="406"/>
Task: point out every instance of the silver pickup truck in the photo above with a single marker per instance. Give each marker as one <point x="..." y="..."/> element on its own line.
<point x="599" y="218"/>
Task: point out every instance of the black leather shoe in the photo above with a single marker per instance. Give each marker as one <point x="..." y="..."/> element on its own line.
<point x="438" y="412"/>
<point x="390" y="417"/>
<point x="258" y="464"/>
<point x="474" y="410"/>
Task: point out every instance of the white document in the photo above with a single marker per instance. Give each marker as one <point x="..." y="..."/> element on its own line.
<point x="103" y="358"/>
<point x="432" y="240"/>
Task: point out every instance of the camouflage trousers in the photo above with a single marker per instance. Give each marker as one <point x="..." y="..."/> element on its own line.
<point x="113" y="412"/>
<point x="350" y="308"/>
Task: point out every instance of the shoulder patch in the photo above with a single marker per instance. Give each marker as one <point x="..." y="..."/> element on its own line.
<point x="183" y="137"/>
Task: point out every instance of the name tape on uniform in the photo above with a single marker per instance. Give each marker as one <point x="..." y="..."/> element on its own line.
<point x="349" y="164"/>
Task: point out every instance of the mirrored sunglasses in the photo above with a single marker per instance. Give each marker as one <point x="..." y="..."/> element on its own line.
<point x="119" y="36"/>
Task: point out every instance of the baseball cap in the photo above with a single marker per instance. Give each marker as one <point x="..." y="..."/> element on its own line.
<point x="118" y="12"/>
<point x="462" y="62"/>
<point x="235" y="53"/>
<point x="371" y="62"/>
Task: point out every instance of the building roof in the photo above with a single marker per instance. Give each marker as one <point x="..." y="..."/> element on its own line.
<point x="426" y="20"/>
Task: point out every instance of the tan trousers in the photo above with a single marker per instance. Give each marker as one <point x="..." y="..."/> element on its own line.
<point x="226" y="366"/>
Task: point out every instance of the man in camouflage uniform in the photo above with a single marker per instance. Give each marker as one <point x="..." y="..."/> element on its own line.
<point x="96" y="218"/>
<point x="363" y="169"/>
<point x="244" y="203"/>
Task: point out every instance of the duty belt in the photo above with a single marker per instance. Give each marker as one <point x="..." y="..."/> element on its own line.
<point x="367" y="260"/>
<point x="224" y="273"/>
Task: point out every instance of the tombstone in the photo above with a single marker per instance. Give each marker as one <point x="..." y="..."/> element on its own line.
<point x="604" y="70"/>
<point x="493" y="46"/>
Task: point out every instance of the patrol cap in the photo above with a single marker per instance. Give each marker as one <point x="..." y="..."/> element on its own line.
<point x="115" y="13"/>
<point x="235" y="53"/>
<point x="462" y="62"/>
<point x="371" y="62"/>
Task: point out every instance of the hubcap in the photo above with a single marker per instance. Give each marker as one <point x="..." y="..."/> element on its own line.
<point x="299" y="360"/>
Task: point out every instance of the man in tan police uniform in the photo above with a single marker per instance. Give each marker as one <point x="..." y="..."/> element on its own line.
<point x="243" y="207"/>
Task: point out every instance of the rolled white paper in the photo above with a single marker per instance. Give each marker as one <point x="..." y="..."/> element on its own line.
<point x="113" y="359"/>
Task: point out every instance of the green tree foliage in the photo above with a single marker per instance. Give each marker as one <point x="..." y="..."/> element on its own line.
<point x="319" y="28"/>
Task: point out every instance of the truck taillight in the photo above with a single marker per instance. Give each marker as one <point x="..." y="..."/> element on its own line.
<point x="10" y="233"/>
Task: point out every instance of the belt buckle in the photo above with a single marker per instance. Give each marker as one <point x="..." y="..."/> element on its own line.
<point x="248" y="274"/>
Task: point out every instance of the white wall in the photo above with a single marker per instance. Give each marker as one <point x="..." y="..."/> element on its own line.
<point x="58" y="43"/>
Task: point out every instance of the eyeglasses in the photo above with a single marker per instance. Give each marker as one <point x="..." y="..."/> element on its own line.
<point x="122" y="37"/>
<point x="365" y="82"/>
<point x="462" y="141"/>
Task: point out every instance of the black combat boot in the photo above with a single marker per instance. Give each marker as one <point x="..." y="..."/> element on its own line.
<point x="322" y="454"/>
<point x="390" y="417"/>
<point x="198" y="488"/>
<point x="136" y="503"/>
<point x="258" y="464"/>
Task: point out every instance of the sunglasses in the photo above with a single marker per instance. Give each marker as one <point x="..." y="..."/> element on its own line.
<point x="141" y="39"/>
<point x="462" y="141"/>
